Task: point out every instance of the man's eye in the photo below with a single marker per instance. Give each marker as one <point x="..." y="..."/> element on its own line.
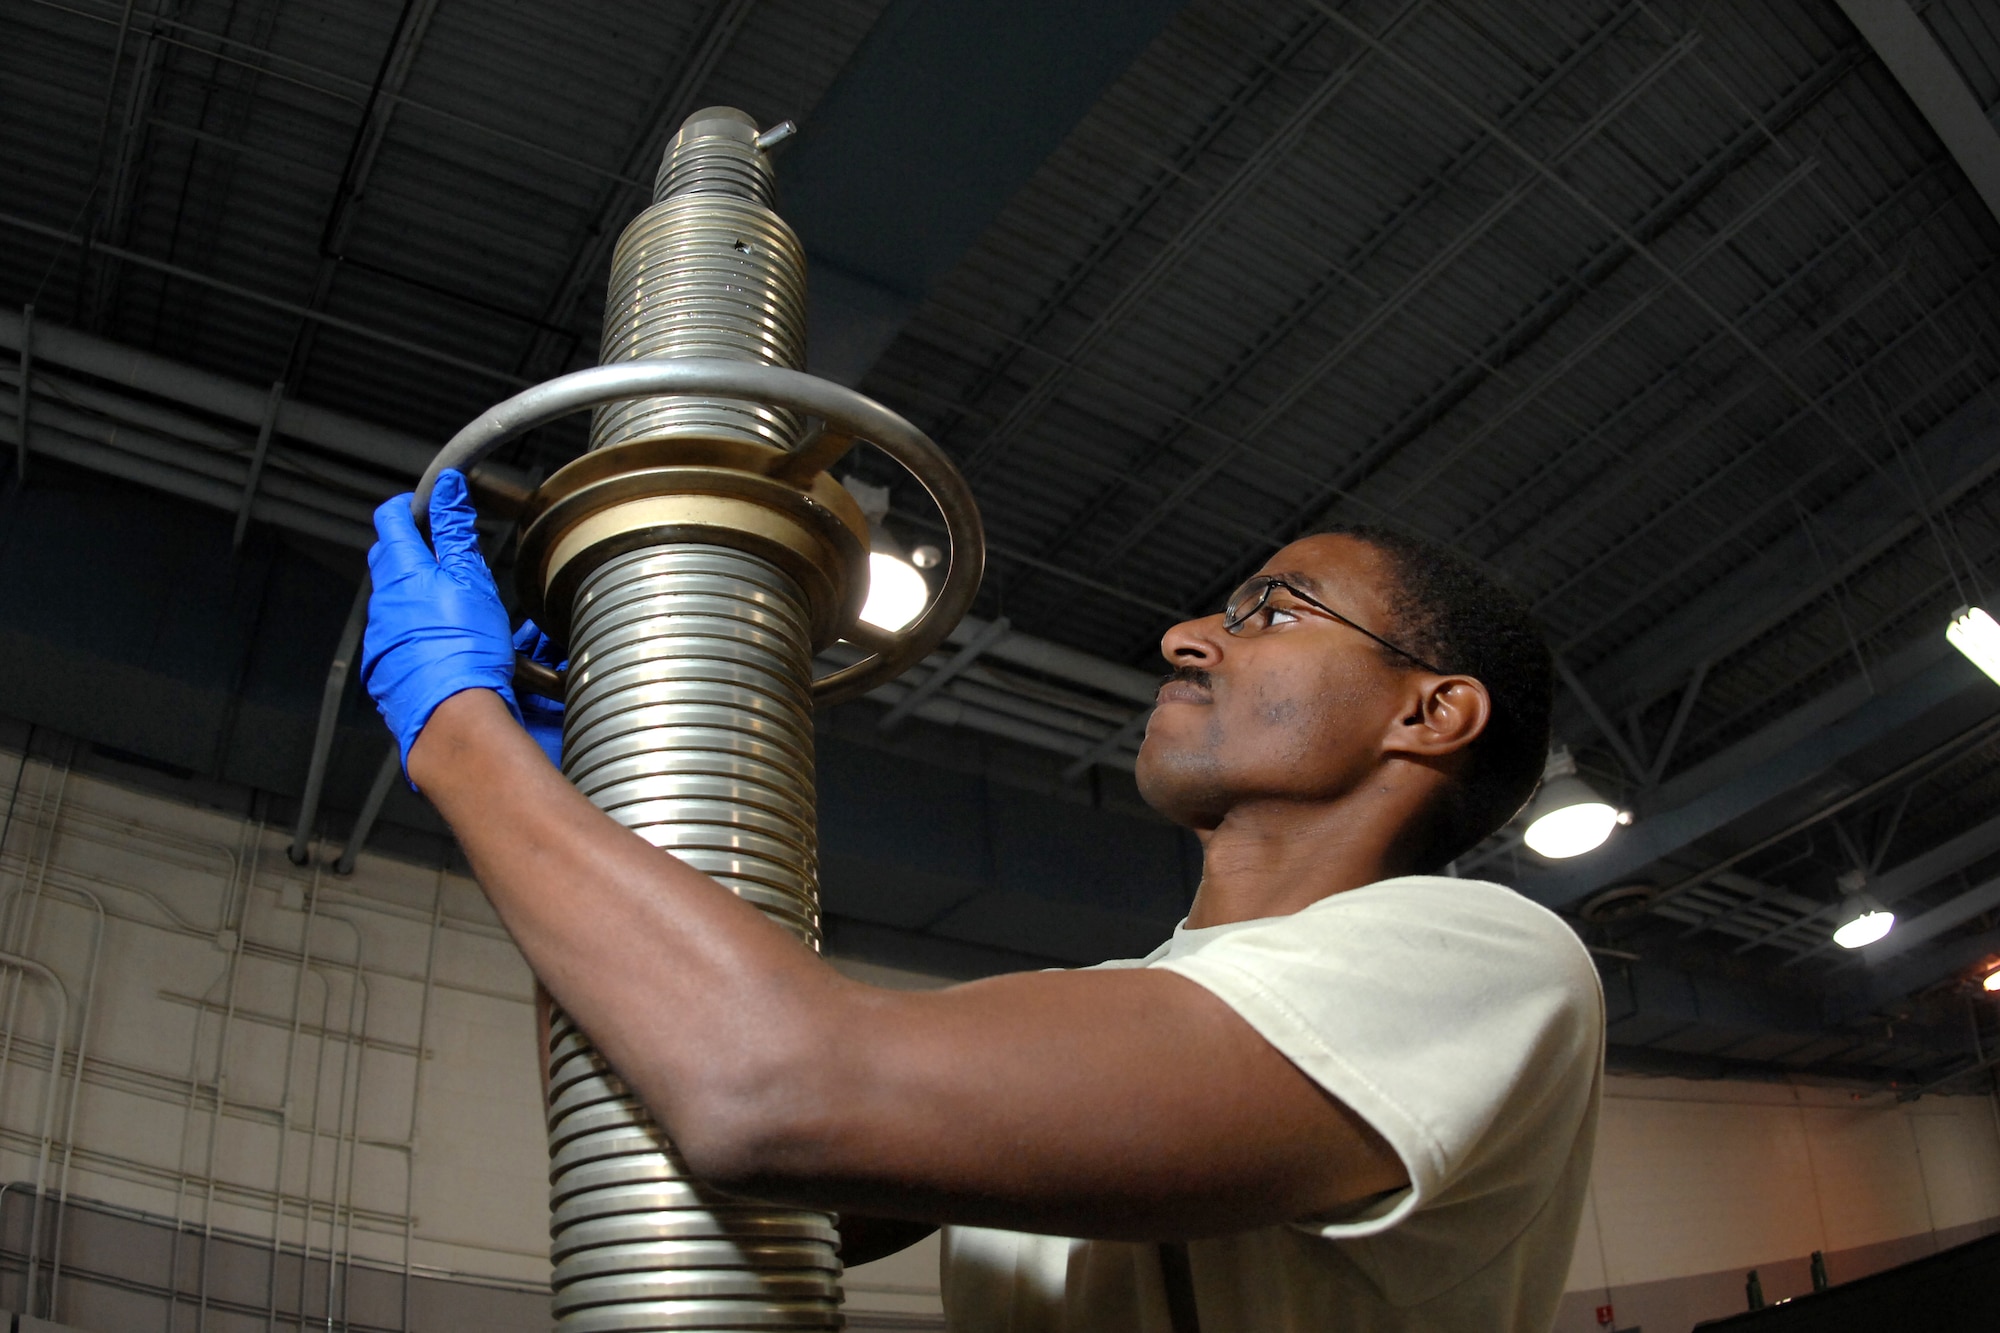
<point x="1272" y="616"/>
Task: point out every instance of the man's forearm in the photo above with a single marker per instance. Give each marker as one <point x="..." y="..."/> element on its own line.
<point x="696" y="999"/>
<point x="1055" y="1102"/>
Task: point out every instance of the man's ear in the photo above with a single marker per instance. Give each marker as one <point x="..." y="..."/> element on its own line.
<point x="1442" y="715"/>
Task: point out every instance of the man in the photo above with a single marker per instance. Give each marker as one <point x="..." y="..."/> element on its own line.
<point x="1346" y="1095"/>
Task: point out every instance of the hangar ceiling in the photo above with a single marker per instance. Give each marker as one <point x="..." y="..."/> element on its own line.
<point x="1679" y="317"/>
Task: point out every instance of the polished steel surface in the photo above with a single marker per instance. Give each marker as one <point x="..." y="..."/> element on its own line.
<point x="708" y="271"/>
<point x="693" y="561"/>
<point x="690" y="722"/>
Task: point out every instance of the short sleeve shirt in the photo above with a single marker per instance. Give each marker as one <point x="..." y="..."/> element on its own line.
<point x="1466" y="1025"/>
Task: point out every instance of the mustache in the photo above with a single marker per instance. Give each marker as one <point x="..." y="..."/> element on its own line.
<point x="1189" y="675"/>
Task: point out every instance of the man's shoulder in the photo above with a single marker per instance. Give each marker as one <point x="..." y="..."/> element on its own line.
<point x="1440" y="898"/>
<point x="1412" y="909"/>
<point x="1488" y="927"/>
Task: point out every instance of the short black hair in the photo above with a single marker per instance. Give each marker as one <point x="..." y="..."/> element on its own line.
<point x="1454" y="615"/>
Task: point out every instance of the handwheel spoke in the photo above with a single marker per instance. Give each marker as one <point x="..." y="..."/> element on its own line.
<point x="827" y="446"/>
<point x="872" y="637"/>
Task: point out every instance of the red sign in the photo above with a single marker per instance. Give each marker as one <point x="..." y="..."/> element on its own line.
<point x="1604" y="1316"/>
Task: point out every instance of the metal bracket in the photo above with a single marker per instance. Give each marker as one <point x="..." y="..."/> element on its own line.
<point x="1672" y="739"/>
<point x="364" y="823"/>
<point x="265" y="429"/>
<point x="344" y="654"/>
<point x="1618" y="744"/>
<point x="27" y="371"/>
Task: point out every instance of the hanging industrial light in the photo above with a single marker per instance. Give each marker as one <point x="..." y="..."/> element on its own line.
<point x="1862" y="919"/>
<point x="1977" y="635"/>
<point x="1567" y="817"/>
<point x="897" y="593"/>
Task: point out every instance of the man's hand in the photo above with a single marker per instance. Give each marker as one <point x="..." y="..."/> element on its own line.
<point x="436" y="625"/>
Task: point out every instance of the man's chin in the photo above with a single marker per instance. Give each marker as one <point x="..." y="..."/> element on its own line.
<point x="1182" y="788"/>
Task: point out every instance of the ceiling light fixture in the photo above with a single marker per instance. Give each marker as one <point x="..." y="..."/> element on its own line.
<point x="897" y="593"/>
<point x="1862" y="919"/>
<point x="1568" y="817"/>
<point x="1977" y="635"/>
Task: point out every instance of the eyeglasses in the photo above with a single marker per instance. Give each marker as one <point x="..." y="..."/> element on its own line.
<point x="1255" y="595"/>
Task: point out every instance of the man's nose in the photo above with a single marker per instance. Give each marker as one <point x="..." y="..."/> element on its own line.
<point x="1196" y="643"/>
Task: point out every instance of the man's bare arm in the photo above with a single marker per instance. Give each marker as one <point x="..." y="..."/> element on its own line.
<point x="1125" y="1103"/>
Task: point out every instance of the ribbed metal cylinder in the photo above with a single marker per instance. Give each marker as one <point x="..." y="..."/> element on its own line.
<point x="690" y="722"/>
<point x="709" y="270"/>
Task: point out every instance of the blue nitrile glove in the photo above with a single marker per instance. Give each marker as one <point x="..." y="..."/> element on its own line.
<point x="435" y="622"/>
<point x="543" y="717"/>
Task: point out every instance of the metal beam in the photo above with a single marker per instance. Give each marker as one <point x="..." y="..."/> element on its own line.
<point x="330" y="699"/>
<point x="1911" y="52"/>
<point x="945" y="110"/>
<point x="257" y="457"/>
<point x="260" y="298"/>
<point x="189" y="471"/>
<point x="398" y="58"/>
<point x="1110" y="745"/>
<point x="1338" y="275"/>
<point x="1264" y="70"/>
<point x="1274" y="152"/>
<point x="1550" y="524"/>
<point x="1959" y="453"/>
<point x="27" y="351"/>
<point x="1892" y="886"/>
<point x="1558" y="371"/>
<point x="1929" y="925"/>
<point x="261" y="60"/>
<point x="386" y="774"/>
<point x="1081" y="668"/>
<point x="1910" y="975"/>
<point x="943" y="674"/>
<point x="1370" y="324"/>
<point x="1767" y="498"/>
<point x="1632" y="241"/>
<point x="349" y="436"/>
<point x="1635" y="767"/>
<point x="1689" y="694"/>
<point x="1810" y="743"/>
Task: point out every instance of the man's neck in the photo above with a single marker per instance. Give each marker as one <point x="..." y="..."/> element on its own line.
<point x="1272" y="858"/>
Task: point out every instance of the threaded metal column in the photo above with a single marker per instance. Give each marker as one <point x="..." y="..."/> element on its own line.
<point x="709" y="270"/>
<point x="690" y="722"/>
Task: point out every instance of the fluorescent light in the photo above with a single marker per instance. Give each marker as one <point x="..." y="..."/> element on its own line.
<point x="896" y="592"/>
<point x="1976" y="634"/>
<point x="1567" y="818"/>
<point x="1861" y="921"/>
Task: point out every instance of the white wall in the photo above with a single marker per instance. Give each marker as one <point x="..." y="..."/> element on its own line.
<point x="1696" y="1183"/>
<point x="368" y="1041"/>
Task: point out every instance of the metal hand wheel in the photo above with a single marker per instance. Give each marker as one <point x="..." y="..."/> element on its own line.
<point x="848" y="416"/>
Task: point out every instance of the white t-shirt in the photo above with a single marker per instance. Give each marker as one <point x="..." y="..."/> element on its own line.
<point x="1466" y="1025"/>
